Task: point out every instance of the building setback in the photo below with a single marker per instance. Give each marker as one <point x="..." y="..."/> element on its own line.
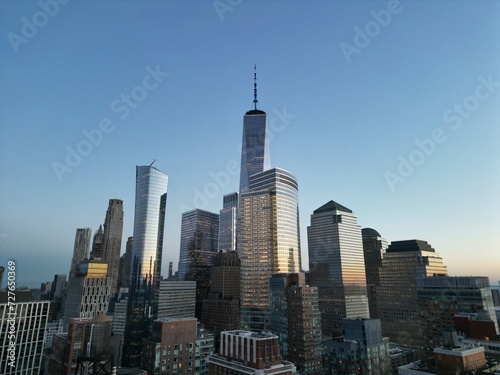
<point x="245" y="352"/>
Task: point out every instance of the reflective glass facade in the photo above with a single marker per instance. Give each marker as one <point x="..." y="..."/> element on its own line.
<point x="227" y="223"/>
<point x="269" y="241"/>
<point x="150" y="201"/>
<point x="255" y="156"/>
<point x="149" y="221"/>
<point x="336" y="264"/>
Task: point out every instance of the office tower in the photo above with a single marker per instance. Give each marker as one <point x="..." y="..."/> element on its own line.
<point x="337" y="266"/>
<point x="296" y="320"/>
<point x="27" y="321"/>
<point x="97" y="244"/>
<point x="374" y="247"/>
<point x="255" y="155"/>
<point x="80" y="249"/>
<point x="86" y="343"/>
<point x="88" y="291"/>
<point x="199" y="243"/>
<point x="245" y="352"/>
<point x="125" y="264"/>
<point x="177" y="299"/>
<point x="177" y="346"/>
<point x="221" y="310"/>
<point x="360" y="350"/>
<point x="398" y="308"/>
<point x="112" y="240"/>
<point x="149" y="222"/>
<point x="118" y="311"/>
<point x="58" y="285"/>
<point x="227" y="223"/>
<point x="269" y="241"/>
<point x="441" y="297"/>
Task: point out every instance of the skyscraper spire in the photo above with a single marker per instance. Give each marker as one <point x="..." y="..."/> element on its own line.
<point x="255" y="86"/>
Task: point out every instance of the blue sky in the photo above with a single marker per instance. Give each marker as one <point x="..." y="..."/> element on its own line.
<point x="347" y="124"/>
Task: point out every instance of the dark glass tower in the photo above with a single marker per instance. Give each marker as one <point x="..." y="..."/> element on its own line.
<point x="199" y="244"/>
<point x="149" y="221"/>
<point x="113" y="228"/>
<point x="255" y="143"/>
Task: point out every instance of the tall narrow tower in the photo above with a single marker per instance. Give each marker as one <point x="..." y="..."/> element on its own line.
<point x="149" y="221"/>
<point x="80" y="249"/>
<point x="337" y="266"/>
<point x="255" y="143"/>
<point x="113" y="228"/>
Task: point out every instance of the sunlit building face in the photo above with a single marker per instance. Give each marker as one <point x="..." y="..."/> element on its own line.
<point x="269" y="241"/>
<point x="150" y="204"/>
<point x="336" y="264"/>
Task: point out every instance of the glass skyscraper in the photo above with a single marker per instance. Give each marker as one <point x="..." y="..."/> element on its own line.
<point x="337" y="265"/>
<point x="255" y="155"/>
<point x="199" y="238"/>
<point x="269" y="241"/>
<point x="149" y="221"/>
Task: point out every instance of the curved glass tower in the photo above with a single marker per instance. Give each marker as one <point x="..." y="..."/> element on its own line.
<point x="149" y="221"/>
<point x="269" y="241"/>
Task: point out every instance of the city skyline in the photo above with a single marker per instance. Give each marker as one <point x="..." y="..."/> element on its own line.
<point x="357" y="126"/>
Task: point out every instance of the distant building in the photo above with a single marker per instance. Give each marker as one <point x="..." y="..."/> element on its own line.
<point x="337" y="266"/>
<point x="176" y="299"/>
<point x="245" y="352"/>
<point x="398" y="304"/>
<point x="374" y="247"/>
<point x="112" y="241"/>
<point x="125" y="264"/>
<point x="29" y="320"/>
<point x="296" y="319"/>
<point x="441" y="297"/>
<point x="227" y="223"/>
<point x="97" y="245"/>
<point x="118" y="311"/>
<point x="177" y="346"/>
<point x="360" y="350"/>
<point x="80" y="249"/>
<point x="2" y="269"/>
<point x="88" y="291"/>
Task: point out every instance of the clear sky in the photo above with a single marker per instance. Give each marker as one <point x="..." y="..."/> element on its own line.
<point x="391" y="109"/>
